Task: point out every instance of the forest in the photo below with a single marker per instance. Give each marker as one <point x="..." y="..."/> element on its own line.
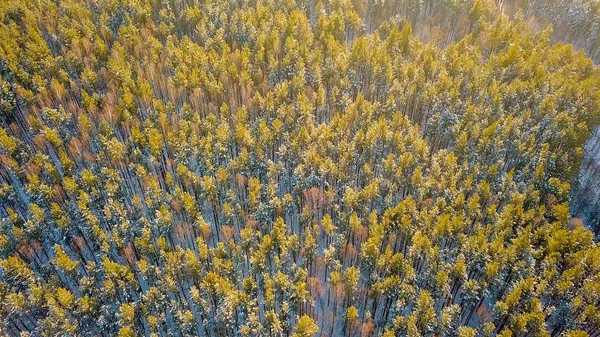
<point x="309" y="168"/>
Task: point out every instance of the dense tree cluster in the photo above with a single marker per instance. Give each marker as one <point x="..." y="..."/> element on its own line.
<point x="282" y="168"/>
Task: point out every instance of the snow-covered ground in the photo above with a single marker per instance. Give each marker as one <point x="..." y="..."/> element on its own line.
<point x="585" y="203"/>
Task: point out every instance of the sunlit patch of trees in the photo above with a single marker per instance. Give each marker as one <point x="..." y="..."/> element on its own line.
<point x="281" y="168"/>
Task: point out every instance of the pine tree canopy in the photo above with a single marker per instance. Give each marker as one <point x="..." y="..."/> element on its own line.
<point x="307" y="168"/>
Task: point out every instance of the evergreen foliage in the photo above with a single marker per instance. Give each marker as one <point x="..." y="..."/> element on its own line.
<point x="281" y="168"/>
